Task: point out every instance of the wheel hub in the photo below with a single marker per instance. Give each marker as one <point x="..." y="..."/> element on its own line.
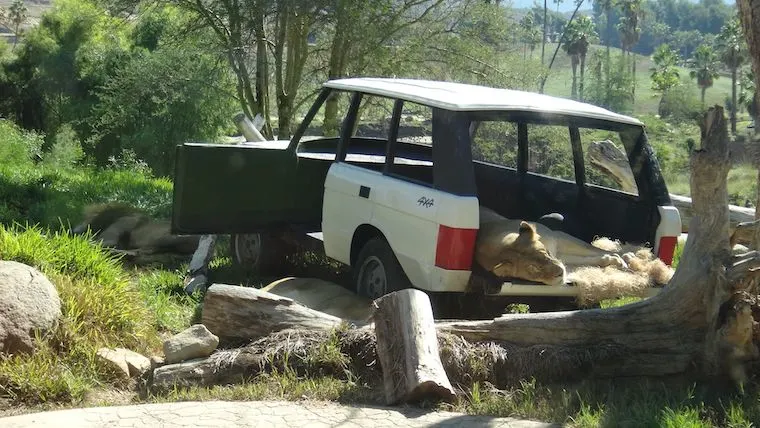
<point x="248" y="249"/>
<point x="372" y="278"/>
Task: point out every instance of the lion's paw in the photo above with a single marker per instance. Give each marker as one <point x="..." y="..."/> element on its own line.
<point x="613" y="260"/>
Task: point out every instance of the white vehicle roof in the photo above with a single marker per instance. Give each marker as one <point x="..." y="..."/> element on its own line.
<point x="465" y="97"/>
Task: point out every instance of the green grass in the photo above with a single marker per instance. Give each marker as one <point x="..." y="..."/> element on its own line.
<point x="99" y="306"/>
<point x="560" y="81"/>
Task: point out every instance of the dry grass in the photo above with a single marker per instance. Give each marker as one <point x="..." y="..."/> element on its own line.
<point x="603" y="283"/>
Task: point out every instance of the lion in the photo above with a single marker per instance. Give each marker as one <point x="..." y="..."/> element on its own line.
<point x="531" y="251"/>
<point x="324" y="296"/>
<point x="124" y="227"/>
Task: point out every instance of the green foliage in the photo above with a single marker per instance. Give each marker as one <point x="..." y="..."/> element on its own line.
<point x="162" y="99"/>
<point x="665" y="74"/>
<point x="704" y="67"/>
<point x="114" y="85"/>
<point x="53" y="191"/>
<point x="99" y="308"/>
<point x="165" y="296"/>
<point x="18" y="147"/>
<point x="66" y="151"/>
<point x="680" y="103"/>
<point x="731" y="44"/>
<point x="610" y="86"/>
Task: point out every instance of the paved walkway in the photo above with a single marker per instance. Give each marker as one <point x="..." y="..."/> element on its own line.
<point x="255" y="414"/>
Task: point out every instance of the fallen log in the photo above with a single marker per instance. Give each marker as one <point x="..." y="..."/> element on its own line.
<point x="244" y="313"/>
<point x="407" y="348"/>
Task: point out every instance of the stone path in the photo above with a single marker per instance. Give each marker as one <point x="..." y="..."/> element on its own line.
<point x="255" y="414"/>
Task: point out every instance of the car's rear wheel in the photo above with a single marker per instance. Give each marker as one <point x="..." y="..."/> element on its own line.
<point x="260" y="254"/>
<point x="377" y="271"/>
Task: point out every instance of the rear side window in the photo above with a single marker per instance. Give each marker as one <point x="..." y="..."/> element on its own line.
<point x="606" y="161"/>
<point x="550" y="151"/>
<point x="495" y="142"/>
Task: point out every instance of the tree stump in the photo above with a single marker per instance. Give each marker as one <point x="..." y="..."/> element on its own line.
<point x="407" y="347"/>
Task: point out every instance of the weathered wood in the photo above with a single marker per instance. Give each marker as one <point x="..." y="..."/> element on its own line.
<point x="234" y="312"/>
<point x="737" y="215"/>
<point x="197" y="272"/>
<point x="407" y="348"/>
<point x="222" y="368"/>
<point x="248" y="128"/>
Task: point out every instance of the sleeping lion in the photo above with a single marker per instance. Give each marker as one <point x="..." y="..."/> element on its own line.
<point x="531" y="251"/>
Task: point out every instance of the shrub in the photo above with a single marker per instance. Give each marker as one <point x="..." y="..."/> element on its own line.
<point x="66" y="150"/>
<point x="681" y="103"/>
<point x="18" y="147"/>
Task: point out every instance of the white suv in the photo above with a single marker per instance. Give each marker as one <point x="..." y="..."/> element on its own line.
<point x="393" y="182"/>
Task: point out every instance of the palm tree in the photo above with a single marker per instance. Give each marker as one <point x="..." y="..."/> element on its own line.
<point x="630" y="31"/>
<point x="578" y="35"/>
<point x="606" y="7"/>
<point x="665" y="73"/>
<point x="733" y="53"/>
<point x="704" y="68"/>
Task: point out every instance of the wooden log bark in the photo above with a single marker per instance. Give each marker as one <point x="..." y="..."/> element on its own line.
<point x="243" y="313"/>
<point x="217" y="369"/>
<point x="407" y="348"/>
<point x="737" y="215"/>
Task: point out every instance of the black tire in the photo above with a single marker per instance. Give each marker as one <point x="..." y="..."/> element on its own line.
<point x="377" y="271"/>
<point x="261" y="254"/>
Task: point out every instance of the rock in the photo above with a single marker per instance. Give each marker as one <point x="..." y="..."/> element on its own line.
<point x="114" y="360"/>
<point x="194" y="342"/>
<point x="29" y="303"/>
<point x="126" y="363"/>
<point x="156" y="361"/>
<point x="138" y="364"/>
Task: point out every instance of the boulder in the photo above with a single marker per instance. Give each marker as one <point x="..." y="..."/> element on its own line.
<point x="194" y="342"/>
<point x="115" y="361"/>
<point x="124" y="362"/>
<point x="29" y="304"/>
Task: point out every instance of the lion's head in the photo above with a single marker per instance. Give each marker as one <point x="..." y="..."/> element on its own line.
<point x="522" y="255"/>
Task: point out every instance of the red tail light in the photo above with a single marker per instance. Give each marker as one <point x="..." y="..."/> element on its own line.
<point x="455" y="248"/>
<point x="667" y="249"/>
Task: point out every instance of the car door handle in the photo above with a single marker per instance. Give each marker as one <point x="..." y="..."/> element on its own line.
<point x="364" y="192"/>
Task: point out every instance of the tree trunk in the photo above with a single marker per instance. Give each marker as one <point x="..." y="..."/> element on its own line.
<point x="703" y="89"/>
<point x="262" y="74"/>
<point x="734" y="107"/>
<point x="574" y="65"/>
<point x="583" y="73"/>
<point x="244" y="313"/>
<point x="543" y="39"/>
<point x="701" y="321"/>
<point x="407" y="348"/>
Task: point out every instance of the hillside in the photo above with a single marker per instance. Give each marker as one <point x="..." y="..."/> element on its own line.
<point x="561" y="78"/>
